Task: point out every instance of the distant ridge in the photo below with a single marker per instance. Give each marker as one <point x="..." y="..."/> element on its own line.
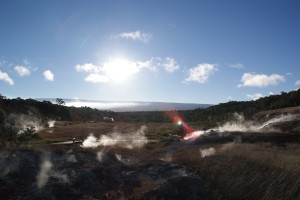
<point x="125" y="106"/>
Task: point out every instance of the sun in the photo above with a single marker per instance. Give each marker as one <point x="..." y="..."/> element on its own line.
<point x="120" y="69"/>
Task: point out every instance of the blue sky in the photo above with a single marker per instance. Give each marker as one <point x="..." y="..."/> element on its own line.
<point x="171" y="51"/>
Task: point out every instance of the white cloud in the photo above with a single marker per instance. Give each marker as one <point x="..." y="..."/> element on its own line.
<point x="260" y="80"/>
<point x="4" y="77"/>
<point x="170" y="65"/>
<point x="2" y="62"/>
<point x="88" y="67"/>
<point x="255" y="96"/>
<point x="48" y="75"/>
<point x="120" y="69"/>
<point x="297" y="83"/>
<point x="229" y="98"/>
<point x="96" y="78"/>
<point x="26" y="62"/>
<point x="22" y="71"/>
<point x="201" y="72"/>
<point x="152" y="64"/>
<point x="238" y="65"/>
<point x="136" y="35"/>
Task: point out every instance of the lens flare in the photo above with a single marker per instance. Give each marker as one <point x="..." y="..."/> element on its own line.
<point x="188" y="132"/>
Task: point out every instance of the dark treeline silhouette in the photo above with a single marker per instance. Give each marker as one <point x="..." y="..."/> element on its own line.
<point x="47" y="110"/>
<point x="12" y="134"/>
<point x="208" y="117"/>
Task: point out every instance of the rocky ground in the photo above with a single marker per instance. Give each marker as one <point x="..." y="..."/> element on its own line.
<point x="86" y="174"/>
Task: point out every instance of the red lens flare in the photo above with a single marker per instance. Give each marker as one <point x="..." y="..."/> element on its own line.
<point x="189" y="132"/>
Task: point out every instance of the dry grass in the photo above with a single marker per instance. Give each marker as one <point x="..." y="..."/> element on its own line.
<point x="260" y="170"/>
<point x="248" y="171"/>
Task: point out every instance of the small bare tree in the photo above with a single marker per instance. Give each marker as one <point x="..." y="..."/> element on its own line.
<point x="60" y="101"/>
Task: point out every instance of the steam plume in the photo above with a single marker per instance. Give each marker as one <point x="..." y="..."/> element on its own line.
<point x="249" y="126"/>
<point x="100" y="155"/>
<point x="51" y="123"/>
<point x="46" y="172"/>
<point x="71" y="158"/>
<point x="20" y="122"/>
<point x="128" y="140"/>
<point x="207" y="152"/>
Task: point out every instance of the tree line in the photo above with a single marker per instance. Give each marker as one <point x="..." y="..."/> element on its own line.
<point x="209" y="117"/>
<point x="206" y="117"/>
<point x="10" y="109"/>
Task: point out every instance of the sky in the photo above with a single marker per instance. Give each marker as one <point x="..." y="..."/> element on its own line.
<point x="202" y="51"/>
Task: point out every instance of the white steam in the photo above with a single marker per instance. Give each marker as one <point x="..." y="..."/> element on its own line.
<point x="167" y="158"/>
<point x="91" y="142"/>
<point x="240" y="125"/>
<point x="279" y="119"/>
<point x="46" y="172"/>
<point x="207" y="152"/>
<point x="119" y="157"/>
<point x="51" y="123"/>
<point x="21" y="122"/>
<point x="100" y="156"/>
<point x="71" y="158"/>
<point x="125" y="140"/>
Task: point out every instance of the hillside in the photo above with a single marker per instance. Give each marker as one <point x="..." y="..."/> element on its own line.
<point x="212" y="115"/>
<point x="208" y="117"/>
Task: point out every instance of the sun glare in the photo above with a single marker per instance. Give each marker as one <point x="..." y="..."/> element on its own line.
<point x="120" y="69"/>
